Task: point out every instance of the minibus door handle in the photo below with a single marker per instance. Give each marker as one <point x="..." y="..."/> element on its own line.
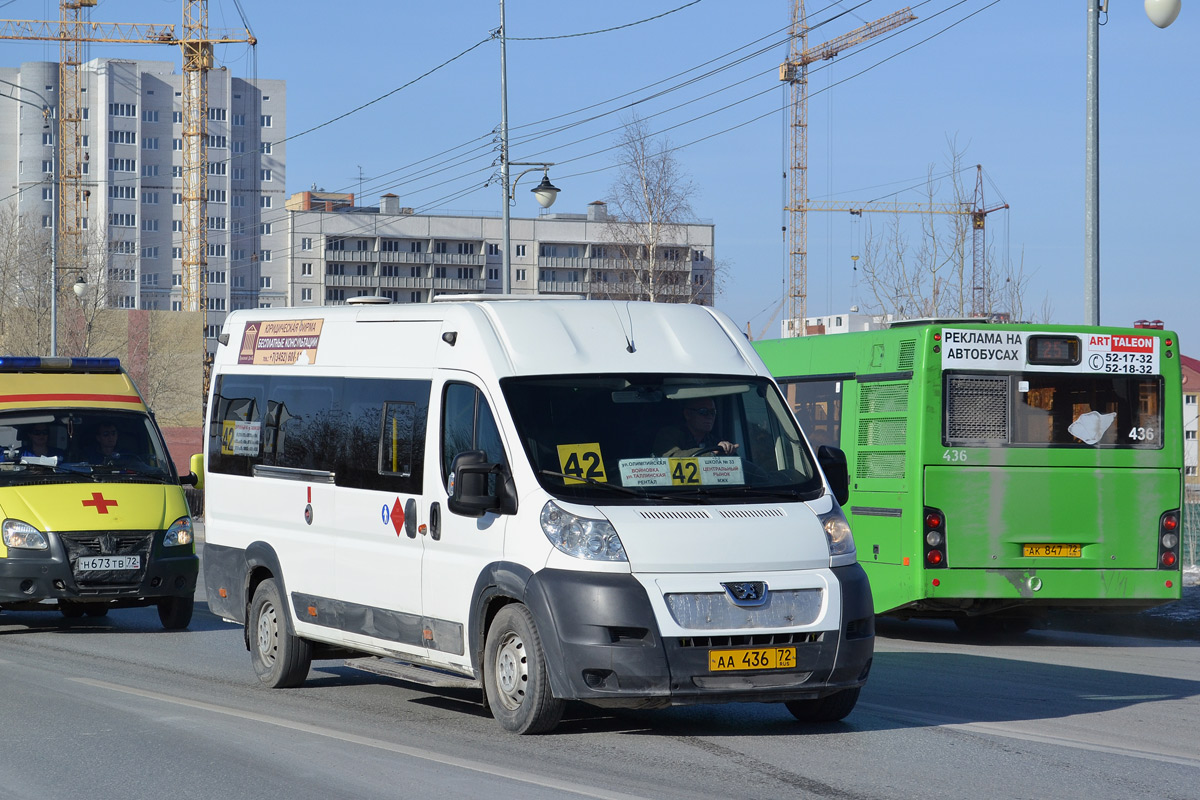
<point x="435" y="522"/>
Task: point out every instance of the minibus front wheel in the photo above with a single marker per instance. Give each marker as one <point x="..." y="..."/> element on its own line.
<point x="515" y="676"/>
<point x="281" y="659"/>
<point x="830" y="708"/>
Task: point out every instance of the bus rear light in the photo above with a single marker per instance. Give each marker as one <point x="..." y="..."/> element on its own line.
<point x="937" y="582"/>
<point x="1168" y="540"/>
<point x="934" y="538"/>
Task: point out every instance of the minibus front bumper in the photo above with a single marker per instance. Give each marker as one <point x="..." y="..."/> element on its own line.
<point x="31" y="576"/>
<point x="602" y="646"/>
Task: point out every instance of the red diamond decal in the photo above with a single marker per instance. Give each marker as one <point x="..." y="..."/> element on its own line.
<point x="398" y="517"/>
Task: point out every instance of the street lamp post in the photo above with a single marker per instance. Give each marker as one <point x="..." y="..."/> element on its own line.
<point x="1162" y="13"/>
<point x="46" y="117"/>
<point x="545" y="192"/>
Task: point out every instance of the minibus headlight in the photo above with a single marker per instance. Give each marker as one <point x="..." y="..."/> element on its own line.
<point x="180" y="533"/>
<point x="841" y="540"/>
<point x="23" y="536"/>
<point x="591" y="539"/>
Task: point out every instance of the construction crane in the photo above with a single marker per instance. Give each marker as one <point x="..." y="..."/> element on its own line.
<point x="795" y="72"/>
<point x="71" y="31"/>
<point x="977" y="209"/>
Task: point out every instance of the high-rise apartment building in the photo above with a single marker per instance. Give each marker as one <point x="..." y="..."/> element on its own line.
<point x="132" y="125"/>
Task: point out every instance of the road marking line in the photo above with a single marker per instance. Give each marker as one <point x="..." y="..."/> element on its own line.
<point x="1001" y="729"/>
<point x="379" y="744"/>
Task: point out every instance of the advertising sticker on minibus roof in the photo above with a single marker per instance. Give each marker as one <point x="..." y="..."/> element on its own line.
<point x="280" y="342"/>
<point x="1032" y="351"/>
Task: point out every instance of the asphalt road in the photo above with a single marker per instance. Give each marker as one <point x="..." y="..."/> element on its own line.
<point x="115" y="707"/>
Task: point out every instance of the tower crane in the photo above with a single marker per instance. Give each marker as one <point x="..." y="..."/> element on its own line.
<point x="977" y="209"/>
<point x="795" y="72"/>
<point x="196" y="43"/>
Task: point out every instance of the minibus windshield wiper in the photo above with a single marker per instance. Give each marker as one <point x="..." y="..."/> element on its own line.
<point x="593" y="482"/>
<point x="642" y="493"/>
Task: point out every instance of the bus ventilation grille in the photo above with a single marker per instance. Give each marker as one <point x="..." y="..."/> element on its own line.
<point x="976" y="409"/>
<point x="908" y="352"/>
<point x="883" y="398"/>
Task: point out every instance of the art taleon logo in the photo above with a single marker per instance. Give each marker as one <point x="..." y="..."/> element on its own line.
<point x="99" y="503"/>
<point x="746" y="593"/>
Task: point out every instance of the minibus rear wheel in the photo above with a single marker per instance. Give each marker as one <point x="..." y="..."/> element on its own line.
<point x="281" y="659"/>
<point x="175" y="613"/>
<point x="515" y="676"/>
<point x="830" y="708"/>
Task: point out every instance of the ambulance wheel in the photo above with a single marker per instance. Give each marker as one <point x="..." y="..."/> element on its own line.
<point x="70" y="610"/>
<point x="281" y="659"/>
<point x="830" y="708"/>
<point x="515" y="676"/>
<point x="175" y="613"/>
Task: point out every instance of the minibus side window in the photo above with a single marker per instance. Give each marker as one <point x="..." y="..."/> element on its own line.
<point x="468" y="424"/>
<point x="235" y="426"/>
<point x="384" y="434"/>
<point x="304" y="423"/>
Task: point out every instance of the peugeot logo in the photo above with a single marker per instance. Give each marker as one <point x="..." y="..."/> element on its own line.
<point x="747" y="593"/>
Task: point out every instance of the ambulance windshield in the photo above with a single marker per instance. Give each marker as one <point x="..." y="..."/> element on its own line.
<point x="36" y="444"/>
<point x="629" y="438"/>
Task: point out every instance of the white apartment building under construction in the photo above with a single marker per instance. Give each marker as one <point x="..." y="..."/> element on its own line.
<point x="132" y="174"/>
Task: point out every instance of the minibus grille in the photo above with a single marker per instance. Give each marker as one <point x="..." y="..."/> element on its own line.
<point x="747" y="513"/>
<point x="674" y="514"/>
<point x="708" y="611"/>
<point x="107" y="543"/>
<point x="755" y="640"/>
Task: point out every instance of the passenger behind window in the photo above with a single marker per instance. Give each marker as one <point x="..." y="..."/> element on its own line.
<point x="35" y="441"/>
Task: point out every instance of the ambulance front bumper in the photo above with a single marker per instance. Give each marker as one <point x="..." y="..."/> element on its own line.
<point x="134" y="569"/>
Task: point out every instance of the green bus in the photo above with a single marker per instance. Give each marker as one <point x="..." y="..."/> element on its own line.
<point x="1000" y="470"/>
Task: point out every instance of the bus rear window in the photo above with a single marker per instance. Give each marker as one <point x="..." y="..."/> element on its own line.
<point x="1053" y="410"/>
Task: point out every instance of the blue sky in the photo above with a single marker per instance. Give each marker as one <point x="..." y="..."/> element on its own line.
<point x="1004" y="80"/>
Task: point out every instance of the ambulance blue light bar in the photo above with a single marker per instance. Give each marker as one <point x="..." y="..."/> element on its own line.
<point x="36" y="364"/>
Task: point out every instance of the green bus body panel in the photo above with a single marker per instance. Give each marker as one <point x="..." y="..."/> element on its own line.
<point x="889" y="391"/>
<point x="992" y="511"/>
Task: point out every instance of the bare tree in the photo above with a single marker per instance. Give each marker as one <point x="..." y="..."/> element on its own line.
<point x="25" y="268"/>
<point x="933" y="277"/>
<point x="649" y="206"/>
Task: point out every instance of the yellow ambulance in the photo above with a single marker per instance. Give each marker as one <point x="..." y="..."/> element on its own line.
<point x="92" y="512"/>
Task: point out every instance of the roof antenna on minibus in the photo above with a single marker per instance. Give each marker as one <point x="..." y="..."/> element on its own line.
<point x="629" y="348"/>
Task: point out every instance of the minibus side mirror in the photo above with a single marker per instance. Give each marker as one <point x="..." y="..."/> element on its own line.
<point x="469" y="495"/>
<point x="196" y="476"/>
<point x="833" y="464"/>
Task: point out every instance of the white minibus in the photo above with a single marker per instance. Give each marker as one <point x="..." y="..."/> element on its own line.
<point x="547" y="499"/>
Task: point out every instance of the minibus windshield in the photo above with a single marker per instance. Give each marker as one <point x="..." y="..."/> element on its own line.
<point x="40" y="445"/>
<point x="643" y="437"/>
